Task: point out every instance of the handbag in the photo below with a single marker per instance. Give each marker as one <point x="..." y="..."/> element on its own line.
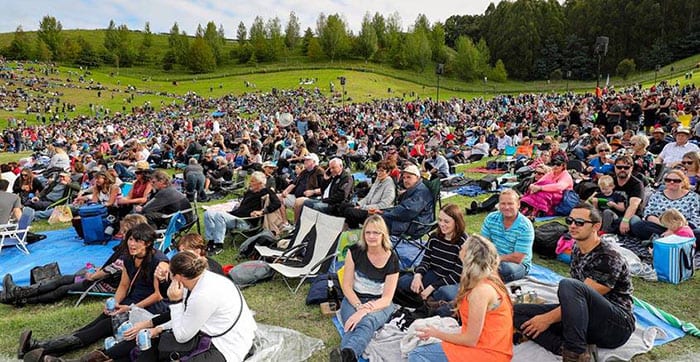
<point x="169" y="349"/>
<point x="45" y="272"/>
<point x="60" y="214"/>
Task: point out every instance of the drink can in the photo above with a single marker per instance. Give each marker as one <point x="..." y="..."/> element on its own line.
<point x="110" y="342"/>
<point x="111" y="304"/>
<point x="123" y="328"/>
<point x="143" y="340"/>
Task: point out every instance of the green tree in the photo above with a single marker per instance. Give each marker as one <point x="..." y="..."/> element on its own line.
<point x="111" y="42"/>
<point x="88" y="56"/>
<point x="245" y="52"/>
<point x="146" y="44"/>
<point x="42" y="51"/>
<point x="292" y="31"/>
<point x="50" y="34"/>
<point x="315" y="51"/>
<point x="215" y="40"/>
<point x="437" y="43"/>
<point x="305" y="41"/>
<point x="467" y="25"/>
<point x="499" y="73"/>
<point x="466" y="62"/>
<point x="200" y="57"/>
<point x="275" y="43"/>
<point x="258" y="39"/>
<point x="626" y="67"/>
<point x="418" y="50"/>
<point x="241" y="33"/>
<point x="334" y="37"/>
<point x="484" y="56"/>
<point x="367" y="43"/>
<point x="20" y="47"/>
<point x="379" y="25"/>
<point x="177" y="46"/>
<point x="70" y="50"/>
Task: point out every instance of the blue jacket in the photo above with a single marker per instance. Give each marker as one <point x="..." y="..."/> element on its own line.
<point x="414" y="204"/>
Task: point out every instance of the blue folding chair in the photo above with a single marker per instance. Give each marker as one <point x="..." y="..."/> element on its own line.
<point x="177" y="222"/>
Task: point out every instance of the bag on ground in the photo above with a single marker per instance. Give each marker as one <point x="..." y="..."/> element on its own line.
<point x="546" y="238"/>
<point x="250" y="272"/>
<point x="673" y="258"/>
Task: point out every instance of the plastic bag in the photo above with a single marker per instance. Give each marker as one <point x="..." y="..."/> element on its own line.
<point x="60" y="214"/>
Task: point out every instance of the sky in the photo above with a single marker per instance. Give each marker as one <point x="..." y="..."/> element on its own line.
<point x="96" y="14"/>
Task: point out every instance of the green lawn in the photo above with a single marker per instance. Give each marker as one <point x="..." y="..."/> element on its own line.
<point x="274" y="304"/>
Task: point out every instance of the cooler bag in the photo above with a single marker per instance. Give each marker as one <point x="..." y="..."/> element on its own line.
<point x="93" y="219"/>
<point x="673" y="258"/>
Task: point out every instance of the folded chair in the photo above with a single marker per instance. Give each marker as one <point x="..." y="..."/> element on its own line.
<point x="165" y="239"/>
<point x="417" y="241"/>
<point x="319" y="251"/>
<point x="16" y="234"/>
<point x="307" y="220"/>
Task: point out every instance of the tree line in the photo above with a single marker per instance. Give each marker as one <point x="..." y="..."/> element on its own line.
<point x="523" y="39"/>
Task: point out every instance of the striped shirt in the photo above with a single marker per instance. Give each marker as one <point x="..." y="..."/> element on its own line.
<point x="442" y="258"/>
<point x="516" y="239"/>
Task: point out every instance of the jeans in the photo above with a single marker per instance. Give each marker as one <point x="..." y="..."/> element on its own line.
<point x="446" y="292"/>
<point x="580" y="153"/>
<point x="586" y="318"/>
<point x="318" y="205"/>
<point x="428" y="353"/>
<point x="123" y="172"/>
<point x="217" y="222"/>
<point x="358" y="339"/>
<point x="511" y="271"/>
<point x="194" y="182"/>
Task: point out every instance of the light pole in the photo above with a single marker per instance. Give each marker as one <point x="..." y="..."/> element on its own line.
<point x="600" y="49"/>
<point x="568" y="76"/>
<point x="438" y="71"/>
<point x="342" y="83"/>
<point x="656" y="70"/>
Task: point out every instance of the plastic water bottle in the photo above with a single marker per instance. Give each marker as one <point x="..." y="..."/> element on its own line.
<point x="90" y="268"/>
<point x="332" y="296"/>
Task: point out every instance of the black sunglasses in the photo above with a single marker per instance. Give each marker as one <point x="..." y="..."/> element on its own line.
<point x="539" y="173"/>
<point x="687" y="162"/>
<point x="673" y="180"/>
<point x="577" y="221"/>
<point x="621" y="167"/>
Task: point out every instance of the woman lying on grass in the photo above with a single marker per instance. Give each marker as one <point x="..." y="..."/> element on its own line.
<point x="484" y="308"/>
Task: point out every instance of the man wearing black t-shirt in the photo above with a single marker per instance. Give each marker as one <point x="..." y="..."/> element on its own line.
<point x="595" y="303"/>
<point x="632" y="187"/>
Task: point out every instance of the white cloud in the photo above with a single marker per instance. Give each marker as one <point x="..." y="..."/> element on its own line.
<point x="91" y="14"/>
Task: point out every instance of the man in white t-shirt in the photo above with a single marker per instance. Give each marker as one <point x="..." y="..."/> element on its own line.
<point x="672" y="153"/>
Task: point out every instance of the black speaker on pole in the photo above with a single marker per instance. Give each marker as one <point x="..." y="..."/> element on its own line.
<point x="601" y="45"/>
<point x="440" y="69"/>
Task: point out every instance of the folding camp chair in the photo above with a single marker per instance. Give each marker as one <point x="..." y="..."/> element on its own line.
<point x="165" y="239"/>
<point x="16" y="234"/>
<point x="417" y="241"/>
<point x="323" y="247"/>
<point x="307" y="220"/>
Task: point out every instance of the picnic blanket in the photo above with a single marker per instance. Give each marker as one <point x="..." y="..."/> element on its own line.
<point x="485" y="170"/>
<point x="651" y="329"/>
<point x="62" y="246"/>
<point x="223" y="207"/>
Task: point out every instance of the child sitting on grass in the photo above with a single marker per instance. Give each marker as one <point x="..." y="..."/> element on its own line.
<point x="611" y="203"/>
<point x="675" y="224"/>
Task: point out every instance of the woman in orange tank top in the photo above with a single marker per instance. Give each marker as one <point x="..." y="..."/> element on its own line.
<point x="484" y="308"/>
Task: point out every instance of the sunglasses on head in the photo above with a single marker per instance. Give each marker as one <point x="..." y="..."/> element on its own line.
<point x="578" y="221"/>
<point x="622" y="167"/>
<point x="673" y="180"/>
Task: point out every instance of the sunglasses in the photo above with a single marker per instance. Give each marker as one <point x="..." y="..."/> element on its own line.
<point x="623" y="167"/>
<point x="539" y="173"/>
<point x="673" y="180"/>
<point x="604" y="151"/>
<point x="633" y="144"/>
<point x="687" y="162"/>
<point x="577" y="221"/>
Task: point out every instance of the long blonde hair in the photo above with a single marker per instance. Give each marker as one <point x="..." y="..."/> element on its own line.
<point x="480" y="262"/>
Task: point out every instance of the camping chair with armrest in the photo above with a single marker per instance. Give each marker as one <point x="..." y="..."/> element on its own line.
<point x="307" y="220"/>
<point x="16" y="234"/>
<point x="165" y="236"/>
<point x="319" y="252"/>
<point x="417" y="241"/>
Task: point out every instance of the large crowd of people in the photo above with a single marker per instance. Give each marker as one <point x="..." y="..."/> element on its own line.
<point x="598" y="146"/>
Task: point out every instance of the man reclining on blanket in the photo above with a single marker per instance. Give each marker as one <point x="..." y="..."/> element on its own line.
<point x="595" y="305"/>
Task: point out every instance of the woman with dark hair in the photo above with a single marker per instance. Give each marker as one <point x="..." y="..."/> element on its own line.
<point x="137" y="286"/>
<point x="106" y="278"/>
<point x="26" y="184"/>
<point x="437" y="276"/>
<point x="212" y="305"/>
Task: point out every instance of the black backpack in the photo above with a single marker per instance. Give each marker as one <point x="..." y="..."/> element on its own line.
<point x="546" y="238"/>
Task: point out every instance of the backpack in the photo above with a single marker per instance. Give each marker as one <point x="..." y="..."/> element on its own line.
<point x="568" y="202"/>
<point x="250" y="272"/>
<point x="546" y="238"/>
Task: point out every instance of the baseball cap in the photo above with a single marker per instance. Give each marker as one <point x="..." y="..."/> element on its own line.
<point x="413" y="170"/>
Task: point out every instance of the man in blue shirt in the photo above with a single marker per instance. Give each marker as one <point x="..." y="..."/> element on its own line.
<point x="513" y="235"/>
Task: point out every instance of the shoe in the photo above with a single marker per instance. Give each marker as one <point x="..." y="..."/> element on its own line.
<point x="8" y="287"/>
<point x="25" y="343"/>
<point x="570" y="356"/>
<point x="33" y="238"/>
<point x="335" y="356"/>
<point x="215" y="249"/>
